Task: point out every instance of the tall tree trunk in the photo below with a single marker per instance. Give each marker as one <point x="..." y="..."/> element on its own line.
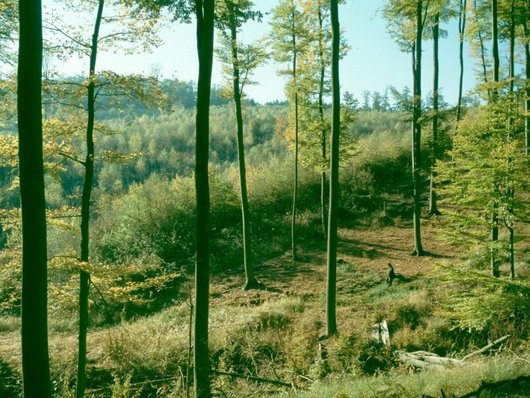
<point x="323" y="138"/>
<point x="84" y="276"/>
<point x="331" y="286"/>
<point x="416" y="131"/>
<point x="296" y="127"/>
<point x="35" y="359"/>
<point x="461" y="32"/>
<point x="495" y="96"/>
<point x="512" y="48"/>
<point x="527" y="84"/>
<point x="511" y="191"/>
<point x="251" y="281"/>
<point x="205" y="28"/>
<point x="433" y="207"/>
<point x="294" y="254"/>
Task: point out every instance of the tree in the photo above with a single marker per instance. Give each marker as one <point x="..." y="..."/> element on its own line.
<point x="35" y="359"/>
<point x="230" y="19"/>
<point x="494" y="98"/>
<point x="205" y="11"/>
<point x="84" y="276"/>
<point x="286" y="32"/>
<point x="331" y="324"/>
<point x="433" y="207"/>
<point x="526" y="32"/>
<point x="406" y="21"/>
<point x="87" y="93"/>
<point x="416" y="128"/>
<point x="485" y="171"/>
<point x="461" y="35"/>
<point x="478" y="32"/>
<point x="316" y="83"/>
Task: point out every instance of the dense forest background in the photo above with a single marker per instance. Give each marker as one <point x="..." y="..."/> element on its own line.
<point x="430" y="271"/>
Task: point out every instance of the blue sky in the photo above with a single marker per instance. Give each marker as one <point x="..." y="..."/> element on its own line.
<point x="373" y="63"/>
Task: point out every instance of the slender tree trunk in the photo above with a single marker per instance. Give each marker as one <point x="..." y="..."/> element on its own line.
<point x="295" y="185"/>
<point x="433" y="207"/>
<point x="323" y="138"/>
<point x="331" y="317"/>
<point x="296" y="127"/>
<point x="416" y="132"/>
<point x="205" y="28"/>
<point x="35" y="359"/>
<point x="527" y="84"/>
<point x="84" y="276"/>
<point x="251" y="282"/>
<point x="495" y="44"/>
<point x="461" y="32"/>
<point x="512" y="48"/>
<point x="511" y="191"/>
<point x="495" y="95"/>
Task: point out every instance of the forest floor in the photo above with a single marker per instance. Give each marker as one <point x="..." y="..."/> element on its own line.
<point x="273" y="333"/>
<point x="367" y="249"/>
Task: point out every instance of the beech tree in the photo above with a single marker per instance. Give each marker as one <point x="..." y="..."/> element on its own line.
<point x="240" y="63"/>
<point x="287" y="31"/>
<point x="486" y="170"/>
<point x="331" y="317"/>
<point x="462" y="18"/>
<point x="316" y="84"/>
<point x="204" y="11"/>
<point x="95" y="85"/>
<point x="35" y="358"/>
<point x="406" y="21"/>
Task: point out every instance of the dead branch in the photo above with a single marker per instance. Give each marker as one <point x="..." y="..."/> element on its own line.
<point x="486" y="347"/>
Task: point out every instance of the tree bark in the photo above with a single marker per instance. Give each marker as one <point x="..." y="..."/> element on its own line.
<point x="494" y="261"/>
<point x="461" y="32"/>
<point x="331" y="287"/>
<point x="205" y="29"/>
<point x="433" y="207"/>
<point x="323" y="138"/>
<point x="35" y="357"/>
<point x="296" y="127"/>
<point x="416" y="131"/>
<point x="84" y="276"/>
<point x="251" y="281"/>
<point x="527" y="85"/>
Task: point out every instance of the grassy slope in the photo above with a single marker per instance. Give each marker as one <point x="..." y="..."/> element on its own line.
<point x="274" y="333"/>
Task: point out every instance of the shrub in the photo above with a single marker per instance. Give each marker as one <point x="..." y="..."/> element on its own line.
<point x="375" y="357"/>
<point x="11" y="382"/>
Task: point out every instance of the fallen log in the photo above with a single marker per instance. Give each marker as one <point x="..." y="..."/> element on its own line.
<point x="424" y="359"/>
